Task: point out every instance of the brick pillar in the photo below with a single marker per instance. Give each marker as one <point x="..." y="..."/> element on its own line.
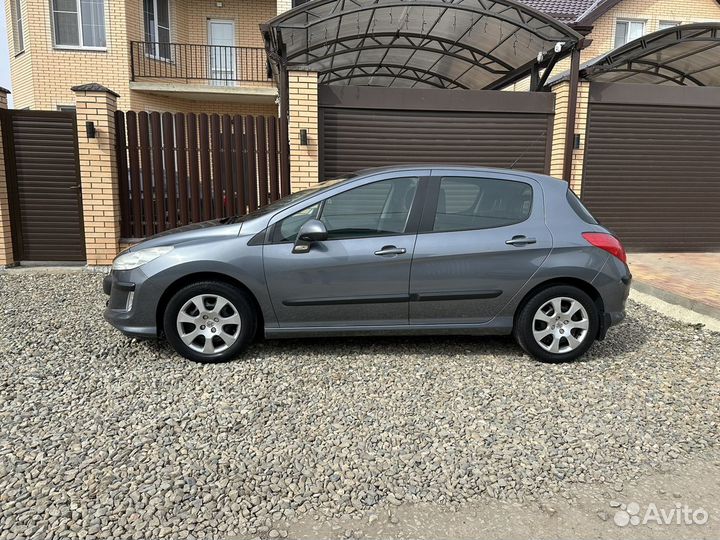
<point x="303" y="114"/>
<point x="98" y="171"/>
<point x="6" y="247"/>
<point x="581" y="123"/>
<point x="562" y="93"/>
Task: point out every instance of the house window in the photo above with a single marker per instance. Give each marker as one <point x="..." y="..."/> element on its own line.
<point x="664" y="25"/>
<point x="18" y="35"/>
<point x="627" y="31"/>
<point x="157" y="28"/>
<point x="79" y="23"/>
<point x="66" y="108"/>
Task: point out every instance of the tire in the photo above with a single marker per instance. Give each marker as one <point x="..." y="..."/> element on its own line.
<point x="542" y="331"/>
<point x="209" y="335"/>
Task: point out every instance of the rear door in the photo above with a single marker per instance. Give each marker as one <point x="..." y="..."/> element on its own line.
<point x="481" y="238"/>
<point x="361" y="274"/>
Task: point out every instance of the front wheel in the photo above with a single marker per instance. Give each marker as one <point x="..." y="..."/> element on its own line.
<point x="558" y="324"/>
<point x="209" y="322"/>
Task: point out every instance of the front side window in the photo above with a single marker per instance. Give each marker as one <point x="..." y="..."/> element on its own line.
<point x="627" y="31"/>
<point x="157" y="28"/>
<point x="79" y="23"/>
<point x="17" y="21"/>
<point x="479" y="203"/>
<point x="378" y="209"/>
<point x="664" y="25"/>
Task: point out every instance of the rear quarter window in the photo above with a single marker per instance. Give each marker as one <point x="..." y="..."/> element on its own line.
<point x="579" y="208"/>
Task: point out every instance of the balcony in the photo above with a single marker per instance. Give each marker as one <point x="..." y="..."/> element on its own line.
<point x="199" y="70"/>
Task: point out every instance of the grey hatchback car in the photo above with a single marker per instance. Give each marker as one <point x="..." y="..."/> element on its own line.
<point x="401" y="250"/>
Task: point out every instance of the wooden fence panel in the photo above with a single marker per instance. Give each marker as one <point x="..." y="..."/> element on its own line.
<point x="216" y="158"/>
<point x="133" y="149"/>
<point x="206" y="178"/>
<point x="180" y="142"/>
<point x="193" y="167"/>
<point x="122" y="164"/>
<point x="251" y="162"/>
<point x="240" y="159"/>
<point x="146" y="173"/>
<point x="168" y="136"/>
<point x="273" y="159"/>
<point x="262" y="167"/>
<point x="228" y="181"/>
<point x="158" y="176"/>
<point x="176" y="169"/>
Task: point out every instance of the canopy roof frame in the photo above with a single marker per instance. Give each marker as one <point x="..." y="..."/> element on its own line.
<point x="463" y="44"/>
<point x="655" y="58"/>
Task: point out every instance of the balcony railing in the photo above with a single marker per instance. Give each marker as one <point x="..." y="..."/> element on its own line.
<point x="216" y="65"/>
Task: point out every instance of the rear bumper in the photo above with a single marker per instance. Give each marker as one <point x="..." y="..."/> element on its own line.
<point x="614" y="287"/>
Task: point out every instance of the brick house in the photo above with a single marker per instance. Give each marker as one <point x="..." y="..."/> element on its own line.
<point x="121" y="44"/>
<point x="157" y="54"/>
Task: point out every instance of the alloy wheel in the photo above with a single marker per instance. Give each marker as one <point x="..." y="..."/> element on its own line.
<point x="209" y="324"/>
<point x="560" y="325"/>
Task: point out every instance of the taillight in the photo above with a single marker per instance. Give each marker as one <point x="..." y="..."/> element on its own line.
<point x="607" y="242"/>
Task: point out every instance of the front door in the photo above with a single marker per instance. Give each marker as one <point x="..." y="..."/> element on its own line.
<point x="482" y="237"/>
<point x="221" y="37"/>
<point x="43" y="172"/>
<point x="360" y="275"/>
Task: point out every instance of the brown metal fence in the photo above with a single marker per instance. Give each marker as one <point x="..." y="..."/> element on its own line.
<point x="176" y="169"/>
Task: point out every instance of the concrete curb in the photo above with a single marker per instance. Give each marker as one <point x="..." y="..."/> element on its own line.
<point x="671" y="298"/>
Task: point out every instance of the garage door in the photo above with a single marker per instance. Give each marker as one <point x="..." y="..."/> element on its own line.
<point x="652" y="170"/>
<point x="365" y="127"/>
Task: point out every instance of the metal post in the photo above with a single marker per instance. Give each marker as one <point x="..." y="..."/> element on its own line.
<point x="572" y="110"/>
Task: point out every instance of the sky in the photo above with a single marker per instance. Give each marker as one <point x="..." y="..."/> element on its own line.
<point x="4" y="55"/>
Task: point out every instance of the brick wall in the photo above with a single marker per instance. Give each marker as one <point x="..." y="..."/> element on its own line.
<point x="53" y="71"/>
<point x="42" y="75"/>
<point x="651" y="11"/>
<point x="6" y="250"/>
<point x="283" y="6"/>
<point x="562" y="93"/>
<point x="99" y="176"/>
<point x="303" y="114"/>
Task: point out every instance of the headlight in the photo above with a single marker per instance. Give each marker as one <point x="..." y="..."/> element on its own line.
<point x="133" y="259"/>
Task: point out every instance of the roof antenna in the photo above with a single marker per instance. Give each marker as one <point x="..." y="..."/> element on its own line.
<point x="532" y="145"/>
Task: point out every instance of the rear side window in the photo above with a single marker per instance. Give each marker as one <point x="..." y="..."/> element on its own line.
<point x="579" y="208"/>
<point x="479" y="203"/>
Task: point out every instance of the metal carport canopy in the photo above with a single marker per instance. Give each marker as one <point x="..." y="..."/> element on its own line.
<point x="453" y="44"/>
<point x="686" y="55"/>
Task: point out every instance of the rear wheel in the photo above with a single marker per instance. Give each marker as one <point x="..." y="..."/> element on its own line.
<point x="558" y="324"/>
<point x="209" y="322"/>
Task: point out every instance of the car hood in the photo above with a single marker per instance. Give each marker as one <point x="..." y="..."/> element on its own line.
<point x="205" y="230"/>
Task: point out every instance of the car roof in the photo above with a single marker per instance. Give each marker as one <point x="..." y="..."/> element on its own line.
<point x="474" y="168"/>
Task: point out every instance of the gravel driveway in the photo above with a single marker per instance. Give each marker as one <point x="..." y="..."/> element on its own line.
<point x="103" y="436"/>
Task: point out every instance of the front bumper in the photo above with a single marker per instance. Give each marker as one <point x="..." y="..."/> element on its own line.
<point x="123" y="310"/>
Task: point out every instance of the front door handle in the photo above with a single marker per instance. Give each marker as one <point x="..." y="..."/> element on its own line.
<point x="520" y="241"/>
<point x="390" y="250"/>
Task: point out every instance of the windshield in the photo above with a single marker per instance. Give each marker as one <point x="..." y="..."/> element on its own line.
<point x="286" y="201"/>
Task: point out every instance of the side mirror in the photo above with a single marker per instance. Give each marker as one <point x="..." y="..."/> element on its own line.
<point x="312" y="231"/>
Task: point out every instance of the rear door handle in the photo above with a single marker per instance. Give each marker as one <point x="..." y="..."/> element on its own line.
<point x="520" y="241"/>
<point x="390" y="250"/>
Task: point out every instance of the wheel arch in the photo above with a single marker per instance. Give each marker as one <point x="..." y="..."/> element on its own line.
<point x="581" y="284"/>
<point x="195" y="277"/>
